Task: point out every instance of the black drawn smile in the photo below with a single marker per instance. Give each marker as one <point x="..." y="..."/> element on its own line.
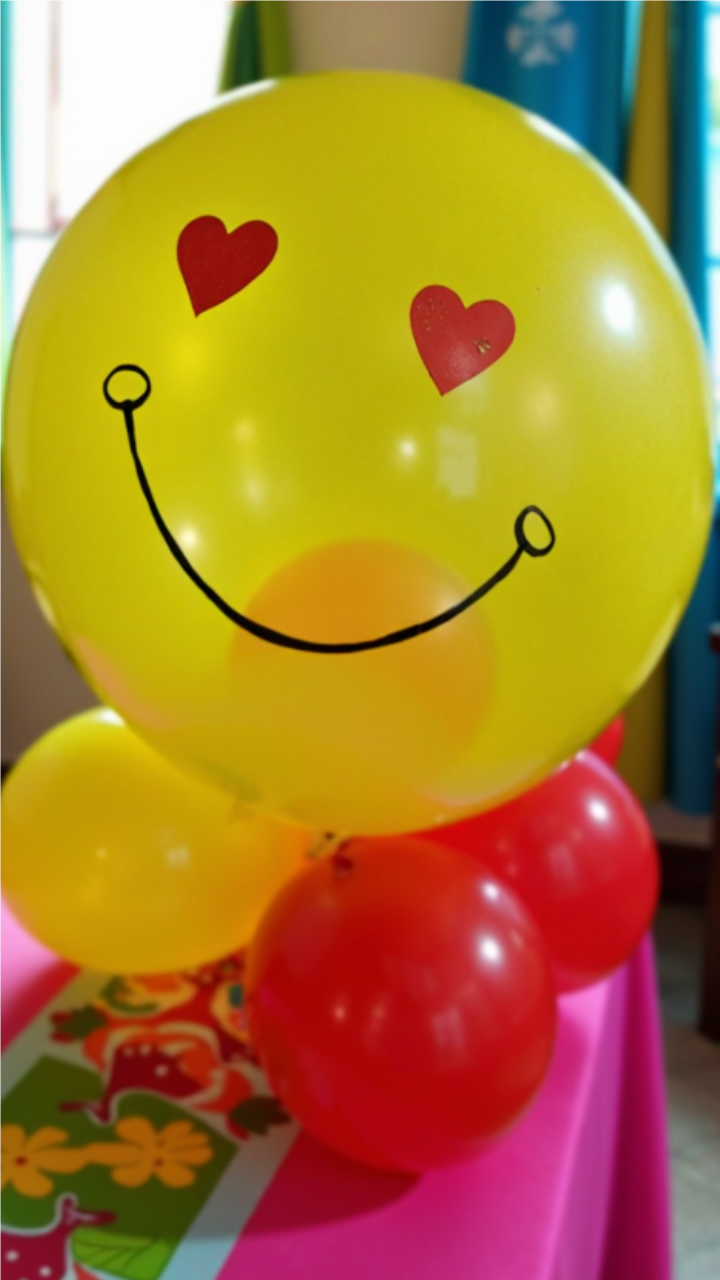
<point x="523" y="546"/>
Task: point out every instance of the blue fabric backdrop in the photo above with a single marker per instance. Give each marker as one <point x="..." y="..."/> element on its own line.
<point x="693" y="672"/>
<point x="570" y="63"/>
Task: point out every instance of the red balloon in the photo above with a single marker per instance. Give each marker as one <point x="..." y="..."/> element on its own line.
<point x="608" y="744"/>
<point x="579" y="853"/>
<point x="402" y="1003"/>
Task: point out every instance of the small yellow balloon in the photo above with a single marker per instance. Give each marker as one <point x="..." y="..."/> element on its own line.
<point x="116" y="860"/>
<point x="359" y="447"/>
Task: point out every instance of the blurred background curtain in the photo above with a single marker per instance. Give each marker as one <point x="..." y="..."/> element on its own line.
<point x="571" y="63"/>
<point x="628" y="81"/>
<point x="258" y="43"/>
<point x="693" y="670"/>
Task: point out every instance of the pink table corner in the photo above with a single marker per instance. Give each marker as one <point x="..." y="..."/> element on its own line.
<point x="579" y="1191"/>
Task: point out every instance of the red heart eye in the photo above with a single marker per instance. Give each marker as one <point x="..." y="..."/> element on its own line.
<point x="456" y="343"/>
<point x="216" y="263"/>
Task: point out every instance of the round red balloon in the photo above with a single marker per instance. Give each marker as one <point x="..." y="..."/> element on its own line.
<point x="608" y="744"/>
<point x="580" y="854"/>
<point x="402" y="1003"/>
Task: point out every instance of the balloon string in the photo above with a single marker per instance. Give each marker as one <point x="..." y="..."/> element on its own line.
<point x="287" y="641"/>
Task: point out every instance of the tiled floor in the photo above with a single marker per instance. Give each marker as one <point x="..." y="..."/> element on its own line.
<point x="693" y="1067"/>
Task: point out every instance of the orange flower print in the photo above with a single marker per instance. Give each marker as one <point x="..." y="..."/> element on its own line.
<point x="28" y="1158"/>
<point x="166" y="1154"/>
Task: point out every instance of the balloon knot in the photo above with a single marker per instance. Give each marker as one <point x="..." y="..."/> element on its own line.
<point x="343" y="865"/>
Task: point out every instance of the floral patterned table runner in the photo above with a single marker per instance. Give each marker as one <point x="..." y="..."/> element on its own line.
<point x="138" y="1131"/>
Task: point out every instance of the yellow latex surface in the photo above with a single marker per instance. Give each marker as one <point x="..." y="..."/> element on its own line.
<point x="298" y="416"/>
<point x="643" y="756"/>
<point x="118" y="861"/>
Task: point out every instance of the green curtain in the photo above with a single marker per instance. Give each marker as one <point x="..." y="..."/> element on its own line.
<point x="258" y="43"/>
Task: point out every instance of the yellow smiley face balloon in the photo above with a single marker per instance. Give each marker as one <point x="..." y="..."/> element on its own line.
<point x="359" y="448"/>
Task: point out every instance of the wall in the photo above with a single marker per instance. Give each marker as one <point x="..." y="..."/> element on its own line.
<point x="40" y="686"/>
<point x="409" y="36"/>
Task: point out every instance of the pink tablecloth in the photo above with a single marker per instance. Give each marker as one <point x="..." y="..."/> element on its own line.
<point x="578" y="1192"/>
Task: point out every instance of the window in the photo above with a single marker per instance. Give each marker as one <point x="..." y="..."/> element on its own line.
<point x="92" y="84"/>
